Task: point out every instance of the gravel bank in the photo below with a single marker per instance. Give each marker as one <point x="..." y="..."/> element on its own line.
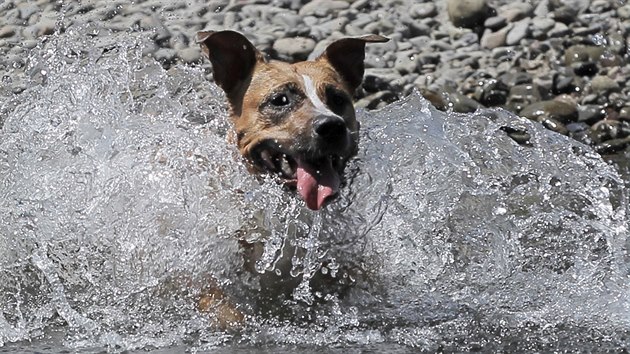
<point x="563" y="63"/>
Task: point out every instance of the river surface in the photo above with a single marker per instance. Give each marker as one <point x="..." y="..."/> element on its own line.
<point x="119" y="195"/>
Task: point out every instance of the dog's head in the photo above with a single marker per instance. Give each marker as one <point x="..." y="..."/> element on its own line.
<point x="297" y="120"/>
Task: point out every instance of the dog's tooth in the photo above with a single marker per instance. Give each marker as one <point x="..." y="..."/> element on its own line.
<point x="286" y="167"/>
<point x="266" y="157"/>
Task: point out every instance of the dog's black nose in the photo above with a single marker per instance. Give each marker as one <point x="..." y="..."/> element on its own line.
<point x="329" y="127"/>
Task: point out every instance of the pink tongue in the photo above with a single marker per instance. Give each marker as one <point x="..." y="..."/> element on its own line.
<point x="316" y="184"/>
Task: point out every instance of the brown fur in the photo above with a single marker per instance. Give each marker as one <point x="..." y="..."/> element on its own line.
<point x="252" y="126"/>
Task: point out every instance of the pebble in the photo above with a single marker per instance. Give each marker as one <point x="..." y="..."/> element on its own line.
<point x="559" y="30"/>
<point x="495" y="22"/>
<point x="323" y="8"/>
<point x="296" y="48"/>
<point x="491" y="40"/>
<point x="516" y="11"/>
<point x="377" y="100"/>
<point x="467" y="13"/>
<point x="491" y="92"/>
<point x="612" y="145"/>
<point x="518" y="32"/>
<point x="27" y="9"/>
<point x="406" y="62"/>
<point x="521" y="136"/>
<point x="543" y="24"/>
<point x="554" y="125"/>
<point x="565" y="14"/>
<point x="582" y="53"/>
<point x="624" y="12"/>
<point x="591" y="114"/>
<point x="603" y="84"/>
<point x="165" y="55"/>
<point x="608" y="129"/>
<point x="522" y="95"/>
<point x="559" y="111"/>
<point x="45" y="27"/>
<point x="423" y="10"/>
<point x="7" y="31"/>
<point x="190" y="55"/>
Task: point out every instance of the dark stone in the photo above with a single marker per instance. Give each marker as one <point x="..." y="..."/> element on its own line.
<point x="585" y="69"/>
<point x="555" y="110"/>
<point x="591" y="114"/>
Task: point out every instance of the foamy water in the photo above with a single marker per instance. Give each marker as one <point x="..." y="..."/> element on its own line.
<point x="120" y="194"/>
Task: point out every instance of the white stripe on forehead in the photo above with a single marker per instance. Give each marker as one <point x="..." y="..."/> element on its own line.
<point x="311" y="93"/>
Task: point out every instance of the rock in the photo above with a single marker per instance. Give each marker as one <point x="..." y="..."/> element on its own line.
<point x="495" y="22"/>
<point x="334" y="25"/>
<point x="165" y="55"/>
<point x="379" y="79"/>
<point x="468" y="13"/>
<point x="288" y="19"/>
<point x="521" y="96"/>
<point x="30" y="32"/>
<point x="294" y="48"/>
<point x="612" y="145"/>
<point x="27" y="9"/>
<point x="599" y="6"/>
<point x="518" y="32"/>
<point x="578" y="5"/>
<point x="583" y="53"/>
<point x="563" y="84"/>
<point x="377" y="100"/>
<point x="491" y="92"/>
<point x="624" y="12"/>
<point x="491" y="40"/>
<point x="447" y="100"/>
<point x="323" y="8"/>
<point x="406" y="62"/>
<point x="462" y="103"/>
<point x="585" y="69"/>
<point x="565" y="14"/>
<point x="563" y="112"/>
<point x="7" y="31"/>
<point x="553" y="125"/>
<point x="29" y="43"/>
<point x="190" y="55"/>
<point x="515" y="11"/>
<point x="591" y="114"/>
<point x="423" y="10"/>
<point x="511" y="79"/>
<point x="542" y="9"/>
<point x="608" y="129"/>
<point x="521" y="136"/>
<point x="543" y="25"/>
<point x="45" y="27"/>
<point x="559" y="30"/>
<point x="603" y="84"/>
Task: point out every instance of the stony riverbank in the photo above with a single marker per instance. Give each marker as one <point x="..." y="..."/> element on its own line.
<point x="561" y="62"/>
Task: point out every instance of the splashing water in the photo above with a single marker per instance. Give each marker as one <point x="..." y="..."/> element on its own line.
<point x="120" y="195"/>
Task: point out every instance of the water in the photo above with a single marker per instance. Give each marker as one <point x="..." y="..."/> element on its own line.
<point x="120" y="196"/>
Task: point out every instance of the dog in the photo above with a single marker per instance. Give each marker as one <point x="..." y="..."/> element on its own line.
<point x="295" y="121"/>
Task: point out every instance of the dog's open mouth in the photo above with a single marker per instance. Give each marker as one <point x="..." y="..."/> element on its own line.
<point x="317" y="180"/>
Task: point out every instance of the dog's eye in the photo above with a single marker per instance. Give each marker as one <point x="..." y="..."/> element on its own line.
<point x="280" y="100"/>
<point x="336" y="100"/>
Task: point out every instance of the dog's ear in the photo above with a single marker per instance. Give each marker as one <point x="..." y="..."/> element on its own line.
<point x="233" y="58"/>
<point x="346" y="56"/>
